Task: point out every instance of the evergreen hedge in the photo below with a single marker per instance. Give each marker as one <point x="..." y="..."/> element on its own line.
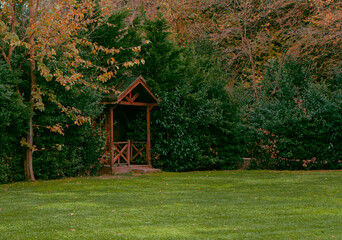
<point x="298" y="123"/>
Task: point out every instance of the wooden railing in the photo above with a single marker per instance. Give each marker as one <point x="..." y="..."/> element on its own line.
<point x="126" y="153"/>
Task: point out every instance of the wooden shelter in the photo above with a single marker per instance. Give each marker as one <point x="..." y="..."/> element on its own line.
<point x="119" y="111"/>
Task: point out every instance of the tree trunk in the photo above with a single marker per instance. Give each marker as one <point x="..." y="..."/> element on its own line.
<point x="28" y="163"/>
<point x="248" y="50"/>
<point x="251" y="59"/>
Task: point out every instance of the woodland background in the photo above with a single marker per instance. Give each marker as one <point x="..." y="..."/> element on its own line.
<point x="237" y="78"/>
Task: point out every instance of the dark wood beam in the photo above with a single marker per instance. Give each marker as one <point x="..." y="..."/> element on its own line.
<point x="140" y="80"/>
<point x="111" y="122"/>
<point x="138" y="104"/>
<point x="135" y="97"/>
<point x="148" y="140"/>
<point x="108" y="103"/>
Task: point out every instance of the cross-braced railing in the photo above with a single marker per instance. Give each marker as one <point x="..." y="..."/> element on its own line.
<point x="138" y="152"/>
<point x="126" y="153"/>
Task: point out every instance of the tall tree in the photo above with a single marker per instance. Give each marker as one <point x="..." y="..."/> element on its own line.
<point x="53" y="36"/>
<point x="194" y="126"/>
<point x="247" y="34"/>
<point x="33" y="10"/>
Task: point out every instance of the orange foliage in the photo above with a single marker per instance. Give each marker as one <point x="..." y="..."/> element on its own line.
<point x="249" y="33"/>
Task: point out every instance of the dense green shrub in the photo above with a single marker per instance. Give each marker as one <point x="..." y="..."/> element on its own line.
<point x="14" y="115"/>
<point x="297" y="124"/>
<point x="5" y="173"/>
<point x="74" y="154"/>
<point x="78" y="149"/>
<point x="193" y="132"/>
<point x="195" y="125"/>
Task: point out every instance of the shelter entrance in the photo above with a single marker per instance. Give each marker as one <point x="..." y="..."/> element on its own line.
<point x="136" y="99"/>
<point x="125" y="150"/>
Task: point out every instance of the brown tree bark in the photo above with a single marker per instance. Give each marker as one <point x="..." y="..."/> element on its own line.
<point x="28" y="163"/>
<point x="11" y="47"/>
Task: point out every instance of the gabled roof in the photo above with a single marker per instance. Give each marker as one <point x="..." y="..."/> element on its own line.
<point x="135" y="93"/>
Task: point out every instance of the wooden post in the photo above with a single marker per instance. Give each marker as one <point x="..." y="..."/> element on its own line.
<point x="129" y="147"/>
<point x="148" y="137"/>
<point x="107" y="129"/>
<point x="111" y="122"/>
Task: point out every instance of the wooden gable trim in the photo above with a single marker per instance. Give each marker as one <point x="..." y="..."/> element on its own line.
<point x="124" y="94"/>
<point x="131" y="99"/>
<point x="137" y="104"/>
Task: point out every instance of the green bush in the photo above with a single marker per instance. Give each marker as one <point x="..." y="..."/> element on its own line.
<point x="78" y="150"/>
<point x="193" y="132"/>
<point x="195" y="125"/>
<point x="14" y="116"/>
<point x="5" y="173"/>
<point x="297" y="124"/>
<point x="74" y="154"/>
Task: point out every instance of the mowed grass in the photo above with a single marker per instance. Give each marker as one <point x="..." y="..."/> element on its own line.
<point x="195" y="205"/>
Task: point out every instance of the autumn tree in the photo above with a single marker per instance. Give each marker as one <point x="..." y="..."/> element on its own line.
<point x="320" y="39"/>
<point x="248" y="34"/>
<point x="53" y="37"/>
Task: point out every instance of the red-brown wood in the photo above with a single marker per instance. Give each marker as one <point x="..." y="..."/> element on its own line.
<point x="126" y="152"/>
<point x="119" y="152"/>
<point x="129" y="152"/>
<point x="129" y="97"/>
<point x="137" y="150"/>
<point x="107" y="128"/>
<point x="111" y="122"/>
<point x="148" y="140"/>
<point x="135" y="97"/>
<point x="141" y="104"/>
<point x="140" y="80"/>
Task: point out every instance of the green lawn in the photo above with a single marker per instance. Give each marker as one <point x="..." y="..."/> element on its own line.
<point x="196" y="205"/>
